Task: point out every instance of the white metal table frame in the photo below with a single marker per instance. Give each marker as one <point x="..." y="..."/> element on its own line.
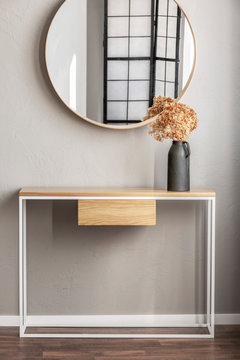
<point x="210" y="281"/>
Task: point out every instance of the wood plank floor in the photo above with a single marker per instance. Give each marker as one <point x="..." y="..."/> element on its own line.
<point x="225" y="346"/>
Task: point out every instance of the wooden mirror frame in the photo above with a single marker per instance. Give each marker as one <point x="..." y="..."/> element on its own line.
<point x="142" y="123"/>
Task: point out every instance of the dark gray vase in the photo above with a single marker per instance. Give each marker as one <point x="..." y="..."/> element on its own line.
<point x="179" y="166"/>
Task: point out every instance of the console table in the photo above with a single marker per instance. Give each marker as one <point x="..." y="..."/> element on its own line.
<point x="114" y="206"/>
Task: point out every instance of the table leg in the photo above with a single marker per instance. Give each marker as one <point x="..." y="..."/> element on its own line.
<point x="22" y="267"/>
<point x="213" y="219"/>
<point x="209" y="218"/>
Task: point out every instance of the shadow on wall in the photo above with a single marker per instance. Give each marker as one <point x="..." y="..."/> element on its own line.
<point x="234" y="117"/>
<point x="115" y="270"/>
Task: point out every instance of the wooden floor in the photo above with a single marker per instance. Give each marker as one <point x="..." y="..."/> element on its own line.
<point x="226" y="345"/>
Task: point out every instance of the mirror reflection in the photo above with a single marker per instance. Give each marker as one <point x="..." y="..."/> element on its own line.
<point x="108" y="58"/>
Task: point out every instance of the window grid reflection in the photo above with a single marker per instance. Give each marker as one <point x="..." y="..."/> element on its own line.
<point x="140" y="43"/>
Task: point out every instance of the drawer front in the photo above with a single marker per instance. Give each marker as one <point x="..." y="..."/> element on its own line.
<point x="116" y="212"/>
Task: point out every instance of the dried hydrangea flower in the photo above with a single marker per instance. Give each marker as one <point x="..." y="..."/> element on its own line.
<point x="172" y="120"/>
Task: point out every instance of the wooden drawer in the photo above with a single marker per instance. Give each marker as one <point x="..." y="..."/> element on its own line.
<point x="116" y="212"/>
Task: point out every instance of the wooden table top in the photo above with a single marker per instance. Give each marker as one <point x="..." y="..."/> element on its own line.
<point x="113" y="192"/>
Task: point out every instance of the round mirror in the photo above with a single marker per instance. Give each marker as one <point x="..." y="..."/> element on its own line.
<point x="107" y="59"/>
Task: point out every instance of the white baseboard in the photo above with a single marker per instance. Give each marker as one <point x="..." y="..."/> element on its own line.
<point x="9" y="320"/>
<point x="121" y="320"/>
<point x="227" y="319"/>
<point x="116" y="320"/>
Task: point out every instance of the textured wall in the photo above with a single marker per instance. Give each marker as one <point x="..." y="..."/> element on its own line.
<point x="116" y="270"/>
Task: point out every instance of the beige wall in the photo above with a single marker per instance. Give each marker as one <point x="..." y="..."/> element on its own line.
<point x="116" y="270"/>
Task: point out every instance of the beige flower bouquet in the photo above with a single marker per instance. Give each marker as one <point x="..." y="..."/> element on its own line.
<point x="172" y="120"/>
